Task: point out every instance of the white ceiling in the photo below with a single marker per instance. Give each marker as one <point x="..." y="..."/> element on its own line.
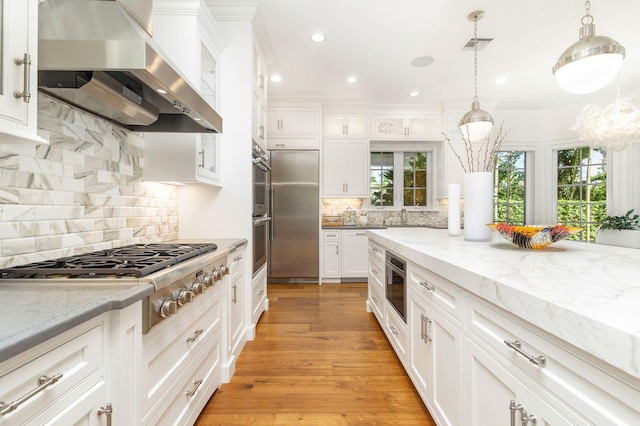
<point x="376" y="40"/>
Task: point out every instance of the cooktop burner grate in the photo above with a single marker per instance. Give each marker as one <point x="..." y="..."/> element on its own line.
<point x="136" y="260"/>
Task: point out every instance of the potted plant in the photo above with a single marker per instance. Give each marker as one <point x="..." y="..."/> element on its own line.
<point x="623" y="231"/>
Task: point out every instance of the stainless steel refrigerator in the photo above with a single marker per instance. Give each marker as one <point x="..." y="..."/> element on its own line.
<point x="294" y="236"/>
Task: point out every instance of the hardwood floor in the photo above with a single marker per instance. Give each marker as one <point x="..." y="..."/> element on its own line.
<point x="318" y="359"/>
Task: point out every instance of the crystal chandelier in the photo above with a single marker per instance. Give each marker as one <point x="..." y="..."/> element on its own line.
<point x="614" y="127"/>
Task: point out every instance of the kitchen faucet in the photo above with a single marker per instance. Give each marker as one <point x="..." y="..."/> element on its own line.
<point x="403" y="217"/>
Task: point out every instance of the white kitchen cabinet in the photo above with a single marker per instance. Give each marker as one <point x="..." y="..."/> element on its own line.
<point x="428" y="127"/>
<point x="435" y="360"/>
<point x="495" y="394"/>
<point x="346" y="168"/>
<point x="355" y="254"/>
<point x="259" y="300"/>
<point x="237" y="298"/>
<point x="19" y="70"/>
<point x="88" y="363"/>
<point x="345" y="125"/>
<point x="396" y="330"/>
<point x="173" y="350"/>
<point x="331" y="254"/>
<point x="293" y="120"/>
<point x="195" y="48"/>
<point x="259" y="73"/>
<point x="258" y="120"/>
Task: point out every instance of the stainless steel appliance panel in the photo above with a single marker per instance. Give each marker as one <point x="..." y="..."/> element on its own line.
<point x="294" y="248"/>
<point x="396" y="283"/>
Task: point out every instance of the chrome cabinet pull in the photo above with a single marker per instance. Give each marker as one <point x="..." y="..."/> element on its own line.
<point x="337" y="251"/>
<point x="43" y="383"/>
<point x="373" y="249"/>
<point x="374" y="272"/>
<point x="196" y="385"/>
<point x="196" y="334"/>
<point x="261" y="132"/>
<point x="525" y="417"/>
<point x="427" y="285"/>
<point x="425" y="320"/>
<point x="26" y="61"/>
<point x="360" y="234"/>
<point x="234" y="299"/>
<point x="516" y="345"/>
<point x="261" y="292"/>
<point x="201" y="165"/>
<point x="107" y="411"/>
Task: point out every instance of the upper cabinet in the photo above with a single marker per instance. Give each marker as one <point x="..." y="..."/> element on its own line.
<point x="345" y="125"/>
<point x="18" y="69"/>
<point x="428" y="127"/>
<point x="293" y="121"/>
<point x="190" y="40"/>
<point x="259" y="100"/>
<point x="345" y="168"/>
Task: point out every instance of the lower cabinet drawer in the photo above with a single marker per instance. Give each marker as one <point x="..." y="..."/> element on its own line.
<point x="376" y="301"/>
<point x="376" y="274"/>
<point x="168" y="351"/>
<point x="258" y="297"/>
<point x="436" y="289"/>
<point x="575" y="378"/>
<point x="200" y="379"/>
<point x="68" y="360"/>
<point x="396" y="331"/>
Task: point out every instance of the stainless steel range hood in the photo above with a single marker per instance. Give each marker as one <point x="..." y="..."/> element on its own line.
<point x="99" y="56"/>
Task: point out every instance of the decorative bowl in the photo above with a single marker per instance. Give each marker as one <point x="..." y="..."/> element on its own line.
<point x="533" y="237"/>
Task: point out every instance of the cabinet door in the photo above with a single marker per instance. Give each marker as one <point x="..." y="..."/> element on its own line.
<point x="293" y="120"/>
<point x="490" y="388"/>
<point x="209" y="158"/>
<point x="19" y="38"/>
<point x="423" y="127"/>
<point x="236" y="304"/>
<point x="356" y="168"/>
<point x="334" y="125"/>
<point x="258" y="118"/>
<point x="345" y="125"/>
<point x="387" y="128"/>
<point x="83" y="410"/>
<point x="419" y="347"/>
<point x="333" y="168"/>
<point x="356" y="125"/>
<point x="331" y="259"/>
<point x="355" y="254"/>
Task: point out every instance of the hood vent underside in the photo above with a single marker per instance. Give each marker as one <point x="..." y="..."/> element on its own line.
<point x="94" y="55"/>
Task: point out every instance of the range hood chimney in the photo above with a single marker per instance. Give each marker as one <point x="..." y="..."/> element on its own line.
<point x="99" y="56"/>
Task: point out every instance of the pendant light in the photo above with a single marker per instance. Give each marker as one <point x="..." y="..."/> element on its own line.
<point x="590" y="63"/>
<point x="475" y="125"/>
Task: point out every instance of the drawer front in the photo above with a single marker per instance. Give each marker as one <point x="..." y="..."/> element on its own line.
<point x="331" y="235"/>
<point x="436" y="289"/>
<point x="168" y="350"/>
<point x="376" y="275"/>
<point x="236" y="262"/>
<point x="376" y="300"/>
<point x="192" y="389"/>
<point x="396" y="331"/>
<point x="602" y="399"/>
<point x="258" y="298"/>
<point x="76" y="355"/>
<point x="376" y="252"/>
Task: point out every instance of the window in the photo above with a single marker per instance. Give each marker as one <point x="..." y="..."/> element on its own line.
<point x="401" y="179"/>
<point x="509" y="180"/>
<point x="582" y="189"/>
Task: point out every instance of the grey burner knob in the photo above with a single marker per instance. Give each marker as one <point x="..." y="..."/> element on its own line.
<point x="197" y="287"/>
<point x="167" y="307"/>
<point x="184" y="296"/>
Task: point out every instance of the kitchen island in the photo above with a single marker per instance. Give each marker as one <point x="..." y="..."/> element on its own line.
<point x="581" y="298"/>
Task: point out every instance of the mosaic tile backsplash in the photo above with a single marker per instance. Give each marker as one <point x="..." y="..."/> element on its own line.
<point x="81" y="193"/>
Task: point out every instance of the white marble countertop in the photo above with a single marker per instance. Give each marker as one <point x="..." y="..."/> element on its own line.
<point x="33" y="313"/>
<point x="585" y="294"/>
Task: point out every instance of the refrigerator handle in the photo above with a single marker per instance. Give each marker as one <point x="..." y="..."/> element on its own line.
<point x="271" y="203"/>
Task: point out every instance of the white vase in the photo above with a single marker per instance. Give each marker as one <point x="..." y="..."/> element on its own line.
<point x="478" y="206"/>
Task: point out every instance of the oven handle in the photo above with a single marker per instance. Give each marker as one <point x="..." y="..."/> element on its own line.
<point x="259" y="162"/>
<point x="261" y="220"/>
<point x="272" y="195"/>
<point x="396" y="269"/>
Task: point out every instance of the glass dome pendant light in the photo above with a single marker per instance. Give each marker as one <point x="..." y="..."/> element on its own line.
<point x="590" y="63"/>
<point x="476" y="125"/>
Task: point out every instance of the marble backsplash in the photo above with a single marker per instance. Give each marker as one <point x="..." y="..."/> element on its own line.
<point x="81" y="193"/>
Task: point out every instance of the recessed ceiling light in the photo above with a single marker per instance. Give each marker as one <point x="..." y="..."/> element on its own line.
<point x="414" y="93"/>
<point x="276" y="78"/>
<point x="318" y="37"/>
<point x="500" y="80"/>
<point x="164" y="92"/>
<point x="352" y="79"/>
<point x="422" y="61"/>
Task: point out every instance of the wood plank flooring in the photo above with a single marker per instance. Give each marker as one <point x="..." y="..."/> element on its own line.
<point x="318" y="359"/>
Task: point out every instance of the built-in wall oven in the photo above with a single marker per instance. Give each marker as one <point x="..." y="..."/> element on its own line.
<point x="261" y="211"/>
<point x="396" y="283"/>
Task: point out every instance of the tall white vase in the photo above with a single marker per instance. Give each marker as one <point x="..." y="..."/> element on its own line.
<point x="478" y="205"/>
